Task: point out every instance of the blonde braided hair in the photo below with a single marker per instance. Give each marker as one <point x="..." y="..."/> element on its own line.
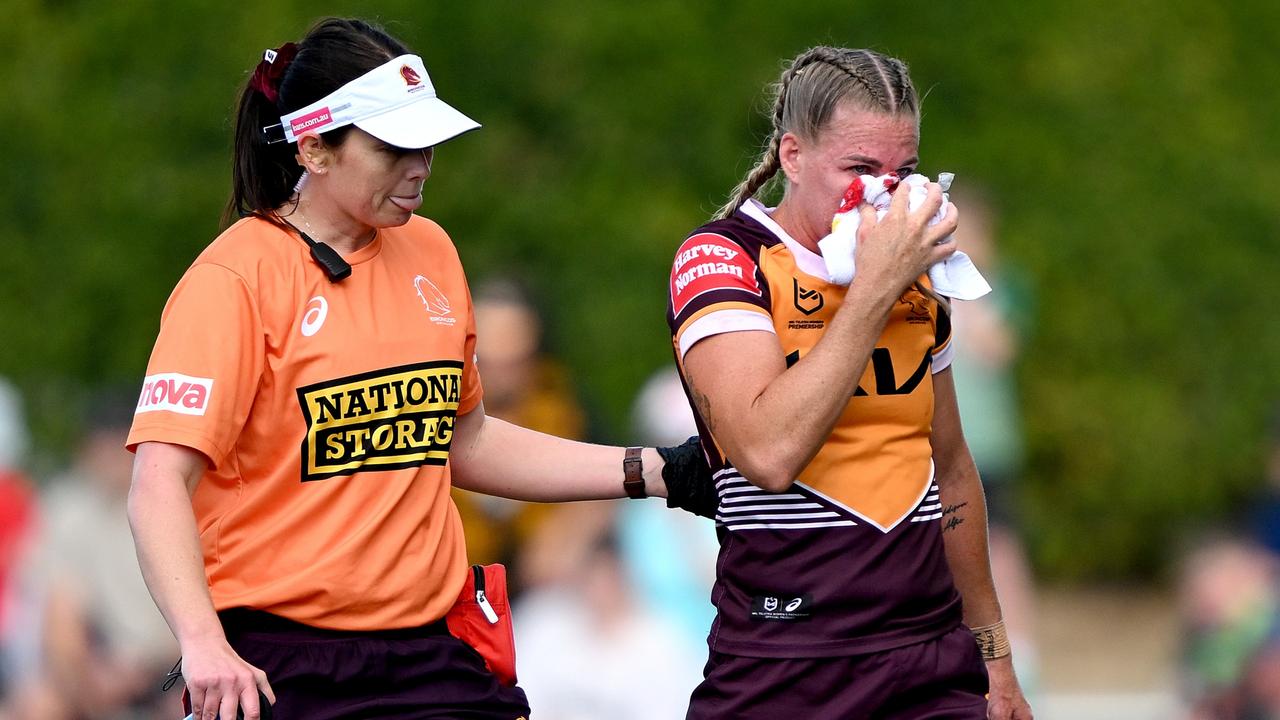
<point x="806" y="95"/>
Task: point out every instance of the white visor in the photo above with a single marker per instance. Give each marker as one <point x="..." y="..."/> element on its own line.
<point x="394" y="102"/>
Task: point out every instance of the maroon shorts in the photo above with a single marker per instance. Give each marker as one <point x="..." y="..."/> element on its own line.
<point x="940" y="678"/>
<point x="328" y="674"/>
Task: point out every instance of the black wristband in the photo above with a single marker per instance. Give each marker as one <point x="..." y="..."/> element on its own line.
<point x="688" y="479"/>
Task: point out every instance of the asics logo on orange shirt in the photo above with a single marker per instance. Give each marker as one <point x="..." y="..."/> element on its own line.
<point x="313" y="318"/>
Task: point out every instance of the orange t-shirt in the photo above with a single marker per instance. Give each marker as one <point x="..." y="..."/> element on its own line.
<point x="326" y="411"/>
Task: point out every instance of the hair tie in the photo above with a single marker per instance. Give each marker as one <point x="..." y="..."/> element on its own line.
<point x="266" y="77"/>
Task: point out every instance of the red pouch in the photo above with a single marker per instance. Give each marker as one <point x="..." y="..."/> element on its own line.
<point x="481" y="618"/>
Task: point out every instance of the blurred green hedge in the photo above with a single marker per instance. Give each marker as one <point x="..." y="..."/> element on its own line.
<point x="1131" y="147"/>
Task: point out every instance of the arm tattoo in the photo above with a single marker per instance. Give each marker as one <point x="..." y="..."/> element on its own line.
<point x="955" y="520"/>
<point x="703" y="404"/>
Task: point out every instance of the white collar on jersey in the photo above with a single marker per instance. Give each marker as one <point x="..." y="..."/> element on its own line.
<point x="809" y="262"/>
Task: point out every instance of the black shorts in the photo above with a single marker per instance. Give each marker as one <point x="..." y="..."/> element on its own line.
<point x="940" y="678"/>
<point x="329" y="674"/>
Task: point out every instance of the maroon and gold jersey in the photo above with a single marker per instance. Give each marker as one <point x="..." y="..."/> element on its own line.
<point x="850" y="558"/>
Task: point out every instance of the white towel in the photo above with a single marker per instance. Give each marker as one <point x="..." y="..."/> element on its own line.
<point x="956" y="277"/>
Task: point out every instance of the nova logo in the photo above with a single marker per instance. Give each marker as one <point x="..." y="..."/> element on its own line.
<point x="806" y="301"/>
<point x="175" y="392"/>
<point x="387" y="419"/>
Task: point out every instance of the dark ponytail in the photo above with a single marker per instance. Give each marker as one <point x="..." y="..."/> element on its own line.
<point x="262" y="174"/>
<point x="334" y="52"/>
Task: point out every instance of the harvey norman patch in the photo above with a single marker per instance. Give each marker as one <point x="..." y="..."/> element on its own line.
<point x="382" y="420"/>
<point x="707" y="262"/>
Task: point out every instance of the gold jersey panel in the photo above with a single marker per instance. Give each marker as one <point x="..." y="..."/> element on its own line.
<point x="877" y="462"/>
<point x="854" y="547"/>
<point x="876" y="465"/>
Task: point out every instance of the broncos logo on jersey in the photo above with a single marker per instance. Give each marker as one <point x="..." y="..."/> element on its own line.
<point x="915" y="300"/>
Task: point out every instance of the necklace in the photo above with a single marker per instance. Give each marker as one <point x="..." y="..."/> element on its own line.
<point x="310" y="233"/>
<point x="335" y="267"/>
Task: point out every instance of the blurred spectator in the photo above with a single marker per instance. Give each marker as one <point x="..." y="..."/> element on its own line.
<point x="103" y="647"/>
<point x="1229" y="605"/>
<point x="523" y="386"/>
<point x="1260" y="686"/>
<point x="670" y="555"/>
<point x="987" y="341"/>
<point x="589" y="650"/>
<point x="17" y="510"/>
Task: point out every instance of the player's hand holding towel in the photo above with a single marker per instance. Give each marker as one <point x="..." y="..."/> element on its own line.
<point x="956" y="277"/>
